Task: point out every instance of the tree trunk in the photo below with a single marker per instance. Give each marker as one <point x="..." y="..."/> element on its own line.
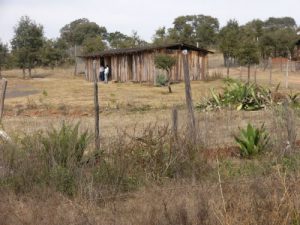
<point x="29" y="72"/>
<point x="0" y="73"/>
<point x="228" y="66"/>
<point x="24" y="73"/>
<point x="169" y="81"/>
<point x="241" y="72"/>
<point x="228" y="70"/>
<point x="248" y="73"/>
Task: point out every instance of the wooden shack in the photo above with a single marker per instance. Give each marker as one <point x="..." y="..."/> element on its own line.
<point x="137" y="64"/>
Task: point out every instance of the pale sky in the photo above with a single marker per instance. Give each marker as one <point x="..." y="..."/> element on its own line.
<point x="128" y="15"/>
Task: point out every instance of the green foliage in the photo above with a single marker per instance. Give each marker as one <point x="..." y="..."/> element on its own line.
<point x="193" y="29"/>
<point x="78" y="30"/>
<point x="240" y="96"/>
<point x="229" y="40"/>
<point x="3" y="55"/>
<point x="51" y="158"/>
<point x="53" y="53"/>
<point x="65" y="147"/>
<point x="27" y="43"/>
<point x="161" y="80"/>
<point x="164" y="62"/>
<point x="252" y="141"/>
<point x="93" y="44"/>
<point x="118" y="40"/>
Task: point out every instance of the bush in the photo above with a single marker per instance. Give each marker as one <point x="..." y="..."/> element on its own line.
<point x="65" y="147"/>
<point x="248" y="97"/>
<point x="252" y="141"/>
<point x="45" y="158"/>
<point x="161" y="80"/>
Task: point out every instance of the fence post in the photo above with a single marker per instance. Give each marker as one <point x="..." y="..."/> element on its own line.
<point x="175" y="123"/>
<point x="255" y="71"/>
<point x="188" y="96"/>
<point x="271" y="68"/>
<point x="96" y="106"/>
<point x="287" y="74"/>
<point x="2" y="96"/>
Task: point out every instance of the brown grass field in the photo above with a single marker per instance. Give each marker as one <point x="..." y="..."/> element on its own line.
<point x="263" y="190"/>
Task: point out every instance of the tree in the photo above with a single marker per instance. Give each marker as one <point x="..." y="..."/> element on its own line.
<point x="27" y="43"/>
<point x="53" y="53"/>
<point x="3" y="56"/>
<point x="118" y="40"/>
<point x="161" y="36"/>
<point x="75" y="32"/>
<point x="248" y="53"/>
<point x="228" y="42"/>
<point x="93" y="44"/>
<point x="198" y="30"/>
<point x="165" y="62"/>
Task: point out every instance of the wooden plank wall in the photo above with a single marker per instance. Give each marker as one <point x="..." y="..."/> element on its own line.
<point x="144" y="70"/>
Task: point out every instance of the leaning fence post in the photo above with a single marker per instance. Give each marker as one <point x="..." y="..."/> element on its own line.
<point x="96" y="106"/>
<point x="189" y="101"/>
<point x="2" y="96"/>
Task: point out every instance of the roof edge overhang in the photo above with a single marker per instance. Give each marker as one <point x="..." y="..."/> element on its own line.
<point x="129" y="51"/>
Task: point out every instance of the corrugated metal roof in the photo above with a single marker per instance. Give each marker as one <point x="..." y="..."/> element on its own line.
<point x="126" y="51"/>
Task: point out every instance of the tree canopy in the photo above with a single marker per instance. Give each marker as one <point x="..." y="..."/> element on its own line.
<point x="27" y="43"/>
<point x="165" y="62"/>
<point x="3" y="55"/>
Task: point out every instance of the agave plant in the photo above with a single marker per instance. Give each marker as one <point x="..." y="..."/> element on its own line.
<point x="294" y="98"/>
<point x="239" y="96"/>
<point x="252" y="140"/>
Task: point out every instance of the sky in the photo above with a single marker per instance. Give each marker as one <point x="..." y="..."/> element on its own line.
<point x="135" y="15"/>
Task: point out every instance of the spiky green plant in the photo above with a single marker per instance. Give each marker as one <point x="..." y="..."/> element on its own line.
<point x="251" y="140"/>
<point x="65" y="147"/>
<point x="240" y="96"/>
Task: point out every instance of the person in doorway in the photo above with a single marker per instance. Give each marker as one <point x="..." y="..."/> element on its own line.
<point x="106" y="72"/>
<point x="101" y="73"/>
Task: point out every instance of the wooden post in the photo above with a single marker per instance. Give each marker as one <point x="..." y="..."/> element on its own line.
<point x="96" y="105"/>
<point x="255" y="70"/>
<point x="271" y="68"/>
<point x="2" y="96"/>
<point x="287" y="74"/>
<point x="175" y="123"/>
<point x="188" y="96"/>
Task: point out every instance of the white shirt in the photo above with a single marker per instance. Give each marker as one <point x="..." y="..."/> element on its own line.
<point x="106" y="70"/>
<point x="101" y="69"/>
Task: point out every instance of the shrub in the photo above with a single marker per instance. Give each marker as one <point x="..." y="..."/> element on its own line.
<point x="65" y="147"/>
<point x="252" y="141"/>
<point x="45" y="158"/>
<point x="240" y="96"/>
<point x="161" y="80"/>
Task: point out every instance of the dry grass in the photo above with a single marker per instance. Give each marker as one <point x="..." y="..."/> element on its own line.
<point x="63" y="88"/>
<point x="272" y="200"/>
<point x="259" y="191"/>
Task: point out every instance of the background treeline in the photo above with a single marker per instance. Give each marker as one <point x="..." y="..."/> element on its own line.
<point x="246" y="44"/>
